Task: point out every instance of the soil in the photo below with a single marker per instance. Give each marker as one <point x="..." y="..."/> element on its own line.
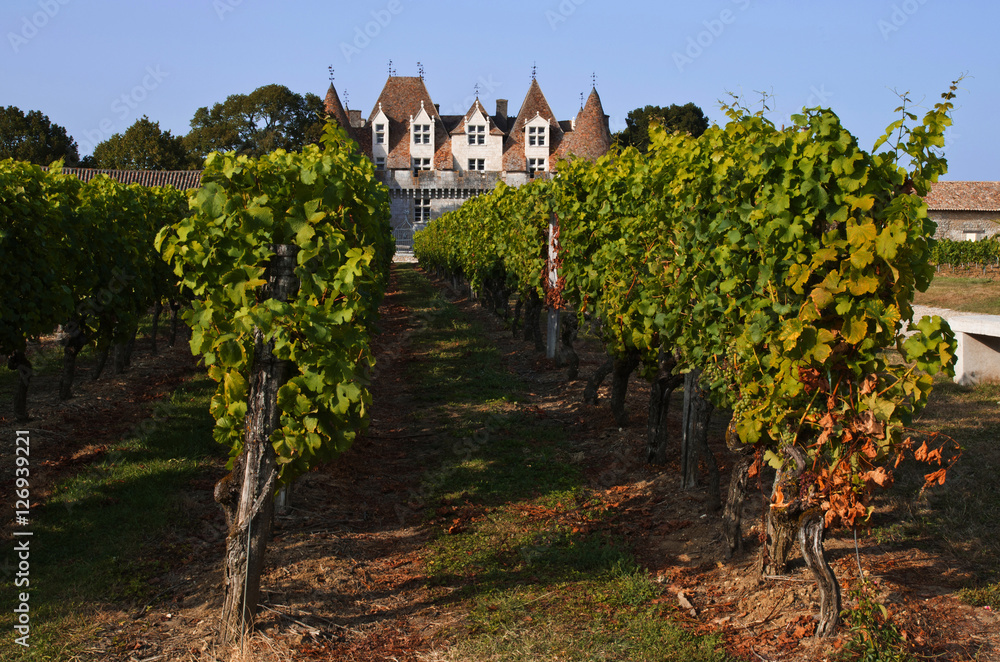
<point x="346" y="578"/>
<point x="69" y="434"/>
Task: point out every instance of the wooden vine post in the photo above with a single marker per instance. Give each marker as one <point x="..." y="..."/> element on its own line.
<point x="552" y="278"/>
<point x="247" y="493"/>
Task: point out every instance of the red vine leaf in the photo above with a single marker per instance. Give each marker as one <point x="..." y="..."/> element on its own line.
<point x="935" y="477"/>
<point x="880" y="476"/>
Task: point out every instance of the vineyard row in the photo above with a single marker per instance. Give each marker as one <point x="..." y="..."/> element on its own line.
<point x="772" y="267"/>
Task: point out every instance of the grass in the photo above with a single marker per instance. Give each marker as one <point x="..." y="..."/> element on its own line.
<point x="518" y="538"/>
<point x="99" y="538"/>
<point x="974" y="295"/>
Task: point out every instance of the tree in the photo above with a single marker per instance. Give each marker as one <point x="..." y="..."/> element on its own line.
<point x="269" y="118"/>
<point x="142" y="147"/>
<point x="688" y="118"/>
<point x="33" y="138"/>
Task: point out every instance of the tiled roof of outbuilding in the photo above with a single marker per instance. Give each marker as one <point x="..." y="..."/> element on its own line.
<point x="964" y="196"/>
<point x="179" y="179"/>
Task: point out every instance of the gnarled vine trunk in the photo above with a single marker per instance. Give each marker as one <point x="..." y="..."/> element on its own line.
<point x="694" y="442"/>
<point x="620" y="375"/>
<point x="659" y="405"/>
<point x="157" y="311"/>
<point x="739" y="478"/>
<point x="174" y="307"/>
<point x="590" y="393"/>
<point x="19" y="362"/>
<point x="73" y="342"/>
<point x="533" y="320"/>
<point x="782" y="525"/>
<point x="566" y="355"/>
<point x="811" y="528"/>
<point x="123" y="352"/>
<point x="515" y="322"/>
<point x="247" y="493"/>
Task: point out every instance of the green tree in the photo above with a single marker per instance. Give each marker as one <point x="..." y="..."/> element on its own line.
<point x="688" y="118"/>
<point x="33" y="138"/>
<point x="269" y="118"/>
<point x="143" y="146"/>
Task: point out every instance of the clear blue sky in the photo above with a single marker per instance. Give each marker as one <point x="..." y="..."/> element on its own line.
<point x="95" y="66"/>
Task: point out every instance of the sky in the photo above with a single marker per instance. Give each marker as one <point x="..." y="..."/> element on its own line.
<point x="96" y="66"/>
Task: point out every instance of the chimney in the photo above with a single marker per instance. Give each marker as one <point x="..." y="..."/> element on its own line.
<point x="354" y="117"/>
<point x="502" y="108"/>
<point x="437" y="107"/>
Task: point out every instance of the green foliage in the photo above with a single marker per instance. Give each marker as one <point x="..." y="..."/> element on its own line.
<point x="269" y="118"/>
<point x="143" y="146"/>
<point x="37" y="254"/>
<point x="329" y="204"/>
<point x="874" y="637"/>
<point x="121" y="273"/>
<point x="782" y="263"/>
<point x="32" y="137"/>
<point x="966" y="253"/>
<point x="688" y="118"/>
<point x="78" y="254"/>
<point x="986" y="596"/>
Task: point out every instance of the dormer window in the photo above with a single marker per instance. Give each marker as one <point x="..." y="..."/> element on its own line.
<point x="421" y="134"/>
<point x="380" y="134"/>
<point x="477" y="134"/>
<point x="536" y="136"/>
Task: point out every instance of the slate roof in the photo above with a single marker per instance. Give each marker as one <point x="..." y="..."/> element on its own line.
<point x="179" y="179"/>
<point x="964" y="196"/>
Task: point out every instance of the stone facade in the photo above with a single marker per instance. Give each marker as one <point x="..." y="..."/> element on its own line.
<point x="964" y="211"/>
<point x="964" y="225"/>
<point x="432" y="163"/>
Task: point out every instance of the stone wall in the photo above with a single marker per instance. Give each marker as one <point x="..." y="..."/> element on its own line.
<point x="964" y="225"/>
